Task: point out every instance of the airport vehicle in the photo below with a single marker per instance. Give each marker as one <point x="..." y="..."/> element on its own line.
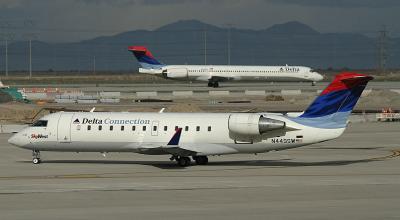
<point x="220" y="73"/>
<point x="196" y="135"/>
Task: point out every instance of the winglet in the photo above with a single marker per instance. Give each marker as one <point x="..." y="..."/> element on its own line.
<point x="175" y="139"/>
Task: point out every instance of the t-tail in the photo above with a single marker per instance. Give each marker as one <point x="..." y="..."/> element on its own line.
<point x="145" y="58"/>
<point x="333" y="106"/>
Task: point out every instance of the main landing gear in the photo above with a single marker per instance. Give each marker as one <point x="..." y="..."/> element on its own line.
<point x="185" y="161"/>
<point x="313" y="83"/>
<point x="201" y="160"/>
<point x="36" y="157"/>
<point x="214" y="84"/>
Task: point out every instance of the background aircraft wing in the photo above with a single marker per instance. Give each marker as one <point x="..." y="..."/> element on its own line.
<point x="220" y="78"/>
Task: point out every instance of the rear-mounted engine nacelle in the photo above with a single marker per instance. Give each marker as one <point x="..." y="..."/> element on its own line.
<point x="176" y="73"/>
<point x="252" y="124"/>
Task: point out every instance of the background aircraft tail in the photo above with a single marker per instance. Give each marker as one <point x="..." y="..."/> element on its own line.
<point x="145" y="58"/>
<point x="333" y="106"/>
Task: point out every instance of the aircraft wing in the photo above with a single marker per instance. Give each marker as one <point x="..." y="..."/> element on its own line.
<point x="214" y="77"/>
<point x="186" y="149"/>
<point x="220" y="78"/>
<point x="172" y="147"/>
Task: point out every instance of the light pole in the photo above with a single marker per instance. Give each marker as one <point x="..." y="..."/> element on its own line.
<point x="6" y="57"/>
<point x="205" y="47"/>
<point x="30" y="58"/>
<point x="229" y="45"/>
<point x="94" y="64"/>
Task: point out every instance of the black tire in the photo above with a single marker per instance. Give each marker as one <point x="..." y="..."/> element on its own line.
<point x="215" y="84"/>
<point x="201" y="160"/>
<point x="36" y="161"/>
<point x="210" y="84"/>
<point x="183" y="161"/>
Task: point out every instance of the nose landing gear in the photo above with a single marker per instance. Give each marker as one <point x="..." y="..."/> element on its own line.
<point x="36" y="157"/>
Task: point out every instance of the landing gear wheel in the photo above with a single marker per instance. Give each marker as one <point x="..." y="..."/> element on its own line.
<point x="214" y="84"/>
<point x="36" y="157"/>
<point x="201" y="160"/>
<point x="183" y="161"/>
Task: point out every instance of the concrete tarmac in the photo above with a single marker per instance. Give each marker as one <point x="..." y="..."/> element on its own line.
<point x="354" y="177"/>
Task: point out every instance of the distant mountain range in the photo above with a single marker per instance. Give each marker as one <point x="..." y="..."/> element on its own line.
<point x="183" y="42"/>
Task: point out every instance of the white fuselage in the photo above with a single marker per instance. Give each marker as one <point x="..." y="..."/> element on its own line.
<point x="235" y="73"/>
<point x="203" y="133"/>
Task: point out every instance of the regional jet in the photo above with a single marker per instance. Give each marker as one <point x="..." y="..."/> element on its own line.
<point x="187" y="136"/>
<point x="220" y="73"/>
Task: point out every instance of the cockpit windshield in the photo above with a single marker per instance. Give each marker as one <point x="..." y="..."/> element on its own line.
<point x="40" y="123"/>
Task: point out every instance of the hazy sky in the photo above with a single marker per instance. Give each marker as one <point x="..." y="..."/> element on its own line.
<point x="71" y="20"/>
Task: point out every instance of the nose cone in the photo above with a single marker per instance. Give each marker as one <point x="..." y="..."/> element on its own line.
<point x="318" y="77"/>
<point x="16" y="140"/>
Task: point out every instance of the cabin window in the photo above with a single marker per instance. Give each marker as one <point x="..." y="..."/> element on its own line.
<point x="165" y="128"/>
<point x="100" y="127"/>
<point x="154" y="128"/>
<point x="111" y="127"/>
<point x="89" y="127"/>
<point x="209" y="128"/>
<point x="122" y="128"/>
<point x="133" y="128"/>
<point x="186" y="128"/>
<point x="40" y="123"/>
<point x="144" y="128"/>
<point x="197" y="128"/>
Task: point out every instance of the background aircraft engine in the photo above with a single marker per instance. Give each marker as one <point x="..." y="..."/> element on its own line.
<point x="252" y="124"/>
<point x="177" y="73"/>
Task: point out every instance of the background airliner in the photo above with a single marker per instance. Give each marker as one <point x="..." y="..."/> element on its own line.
<point x="196" y="135"/>
<point x="219" y="73"/>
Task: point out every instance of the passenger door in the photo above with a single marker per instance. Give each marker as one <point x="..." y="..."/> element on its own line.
<point x="64" y="127"/>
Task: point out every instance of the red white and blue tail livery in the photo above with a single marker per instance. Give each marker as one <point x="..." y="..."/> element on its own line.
<point x="145" y="58"/>
<point x="333" y="106"/>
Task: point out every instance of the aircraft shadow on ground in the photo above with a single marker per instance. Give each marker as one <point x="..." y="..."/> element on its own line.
<point x="249" y="163"/>
<point x="346" y="148"/>
<point x="288" y="163"/>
